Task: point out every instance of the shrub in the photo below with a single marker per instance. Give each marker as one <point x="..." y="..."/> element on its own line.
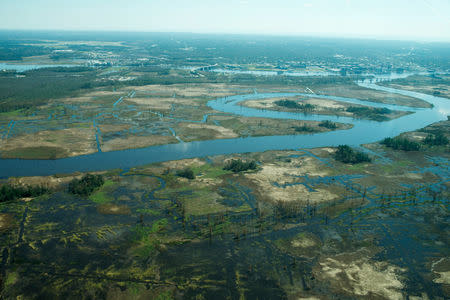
<point x="328" y="124"/>
<point x="304" y="128"/>
<point x="186" y="173"/>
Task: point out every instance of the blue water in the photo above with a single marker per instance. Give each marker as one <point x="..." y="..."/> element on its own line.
<point x="23" y="67"/>
<point x="363" y="131"/>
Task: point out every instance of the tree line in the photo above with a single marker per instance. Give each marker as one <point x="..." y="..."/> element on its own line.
<point x="10" y="192"/>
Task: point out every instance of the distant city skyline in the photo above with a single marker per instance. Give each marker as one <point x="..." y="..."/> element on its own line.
<point x="420" y="20"/>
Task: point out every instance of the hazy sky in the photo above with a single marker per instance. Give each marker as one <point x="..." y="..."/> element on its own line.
<point x="404" y="19"/>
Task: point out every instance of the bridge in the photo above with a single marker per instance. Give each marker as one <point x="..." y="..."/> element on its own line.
<point x="204" y="68"/>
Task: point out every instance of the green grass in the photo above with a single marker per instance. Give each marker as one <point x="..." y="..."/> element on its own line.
<point x="203" y="201"/>
<point x="101" y="196"/>
<point x="209" y="171"/>
<point x="11" y="278"/>
<point x="12" y="114"/>
<point x="396" y="166"/>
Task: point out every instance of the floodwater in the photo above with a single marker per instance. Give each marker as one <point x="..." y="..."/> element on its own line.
<point x="69" y="247"/>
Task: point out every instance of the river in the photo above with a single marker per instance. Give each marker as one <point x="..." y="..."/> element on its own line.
<point x="363" y="131"/>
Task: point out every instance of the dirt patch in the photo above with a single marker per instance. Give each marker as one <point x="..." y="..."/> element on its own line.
<point x="47" y="181"/>
<point x="270" y="174"/>
<point x="303" y="244"/>
<point x="442" y="269"/>
<point x="161" y="103"/>
<point x="51" y="144"/>
<point x="221" y="132"/>
<point x="361" y="93"/>
<point x="190" y="90"/>
<point x="355" y="274"/>
<point x="181" y="164"/>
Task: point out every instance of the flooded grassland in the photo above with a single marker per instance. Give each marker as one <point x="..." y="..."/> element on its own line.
<point x="301" y="225"/>
<point x="109" y="119"/>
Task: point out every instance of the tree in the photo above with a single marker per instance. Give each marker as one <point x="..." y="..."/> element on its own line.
<point x="186" y="173"/>
<point x="86" y="185"/>
<point x="346" y="154"/>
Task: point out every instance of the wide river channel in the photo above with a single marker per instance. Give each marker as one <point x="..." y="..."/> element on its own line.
<point x="363" y="131"/>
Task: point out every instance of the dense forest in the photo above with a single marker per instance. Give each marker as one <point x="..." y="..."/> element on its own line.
<point x="38" y="86"/>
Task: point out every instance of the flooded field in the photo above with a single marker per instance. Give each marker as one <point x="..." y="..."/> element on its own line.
<point x="301" y="226"/>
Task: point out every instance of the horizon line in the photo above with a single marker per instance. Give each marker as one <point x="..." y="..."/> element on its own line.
<point x="299" y="35"/>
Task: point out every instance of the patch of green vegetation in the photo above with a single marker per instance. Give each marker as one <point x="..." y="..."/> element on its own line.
<point x="328" y="124"/>
<point x="86" y="185"/>
<point x="12" y="114"/>
<point x="9" y="192"/>
<point x="237" y="165"/>
<point x="295" y="105"/>
<point x="142" y="232"/>
<point x="202" y="201"/>
<point x="41" y="152"/>
<point x="243" y="208"/>
<point x="377" y="114"/>
<point x="210" y="171"/>
<point x="11" y="278"/>
<point x="167" y="295"/>
<point x="395" y="166"/>
<point x="102" y="196"/>
<point x="399" y="143"/>
<point x="438" y="139"/>
<point x="186" y="173"/>
<point x="347" y="155"/>
<point x="147" y="237"/>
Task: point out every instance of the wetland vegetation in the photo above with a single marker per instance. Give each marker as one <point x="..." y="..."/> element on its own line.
<point x="335" y="221"/>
